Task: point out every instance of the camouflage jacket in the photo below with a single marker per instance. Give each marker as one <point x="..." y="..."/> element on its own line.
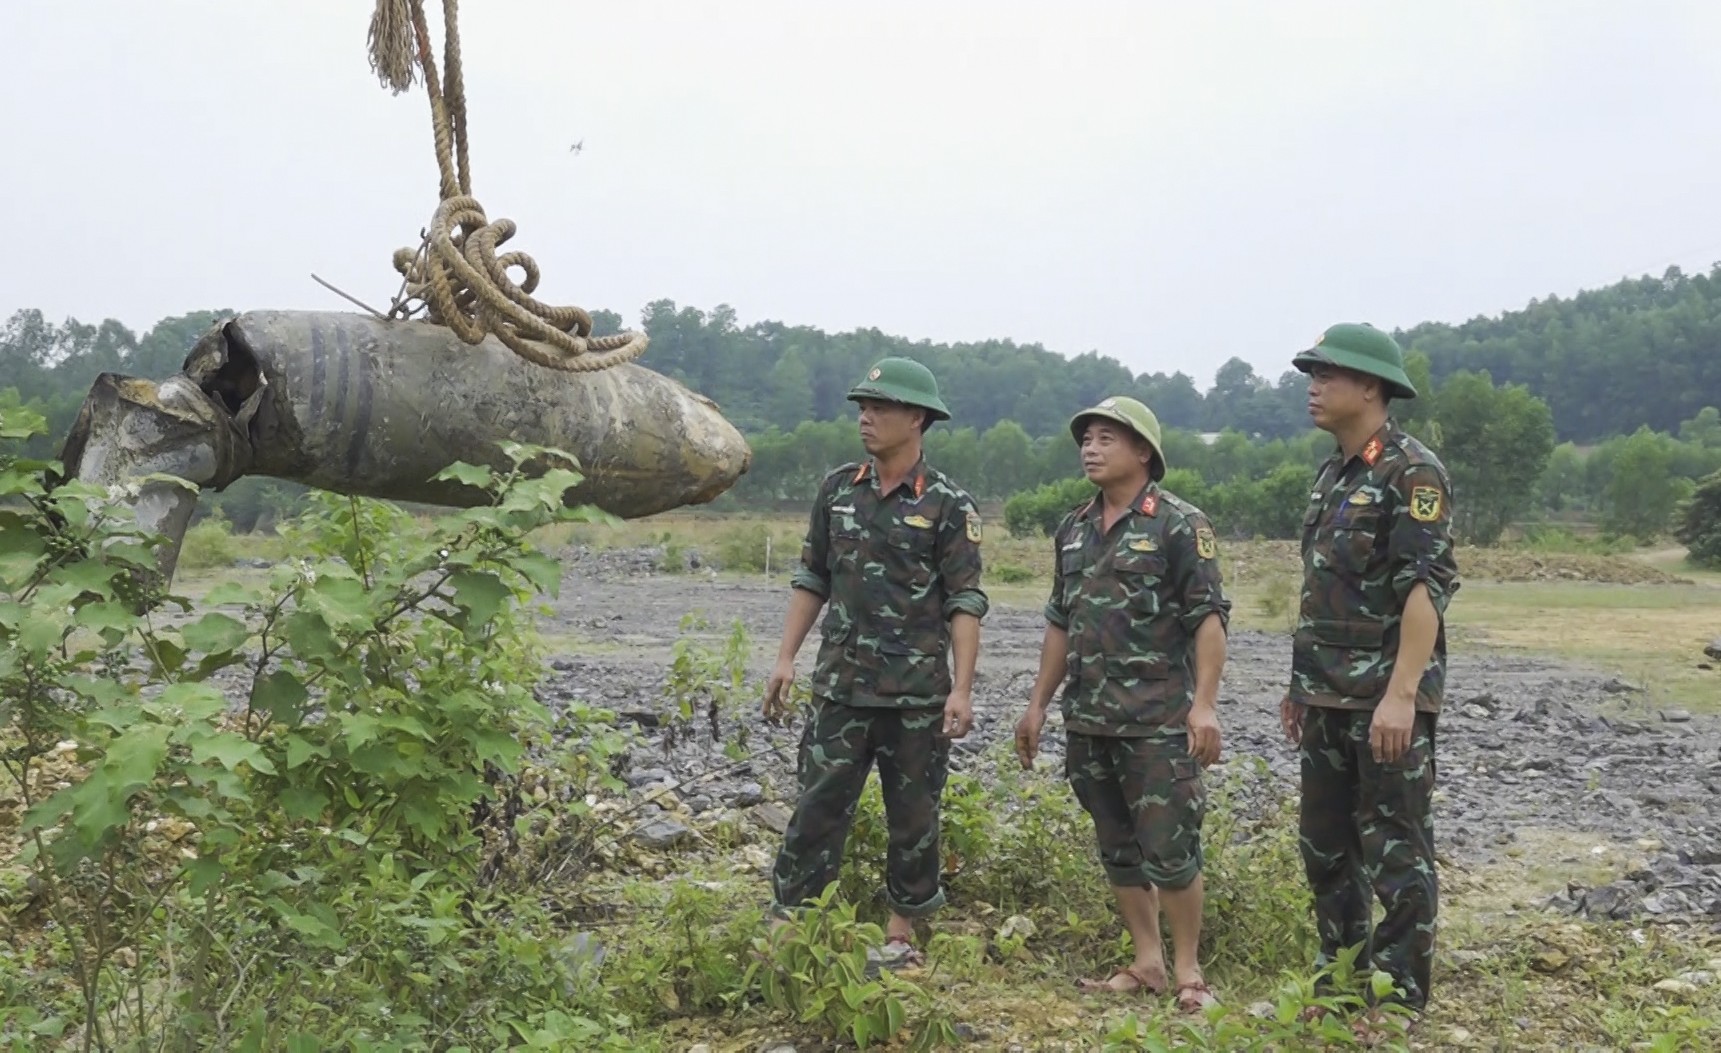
<point x="1131" y="600"/>
<point x="893" y="568"/>
<point x="1376" y="525"/>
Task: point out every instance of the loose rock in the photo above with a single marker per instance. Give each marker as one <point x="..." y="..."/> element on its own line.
<point x="662" y="833"/>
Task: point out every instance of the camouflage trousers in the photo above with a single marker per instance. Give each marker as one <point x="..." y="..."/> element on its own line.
<point x="1147" y="801"/>
<point x="1369" y="828"/>
<point x="838" y="748"/>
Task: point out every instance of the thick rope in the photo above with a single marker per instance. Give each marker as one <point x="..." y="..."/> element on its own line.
<point x="455" y="275"/>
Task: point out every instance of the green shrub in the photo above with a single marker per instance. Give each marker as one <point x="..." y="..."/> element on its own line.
<point x="209" y="543"/>
<point x="313" y="860"/>
<point x="1038" y="511"/>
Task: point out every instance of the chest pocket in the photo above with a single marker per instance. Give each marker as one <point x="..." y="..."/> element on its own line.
<point x="1354" y="530"/>
<point x="845" y="537"/>
<point x="1141" y="579"/>
<point x="914" y="550"/>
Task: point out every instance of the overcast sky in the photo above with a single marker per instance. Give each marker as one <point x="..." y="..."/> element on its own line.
<point x="1168" y="183"/>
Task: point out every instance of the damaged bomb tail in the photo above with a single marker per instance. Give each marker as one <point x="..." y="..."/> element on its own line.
<point x="358" y="405"/>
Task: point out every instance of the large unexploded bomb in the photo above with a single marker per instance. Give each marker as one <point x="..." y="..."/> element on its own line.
<point x="375" y="408"/>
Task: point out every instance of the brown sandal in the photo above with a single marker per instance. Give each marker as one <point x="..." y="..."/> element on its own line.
<point x="1195" y="997"/>
<point x="1143" y="984"/>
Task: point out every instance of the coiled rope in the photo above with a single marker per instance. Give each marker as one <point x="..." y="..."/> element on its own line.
<point x="455" y="276"/>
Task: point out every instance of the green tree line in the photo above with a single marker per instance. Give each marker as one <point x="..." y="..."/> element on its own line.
<point x="1240" y="446"/>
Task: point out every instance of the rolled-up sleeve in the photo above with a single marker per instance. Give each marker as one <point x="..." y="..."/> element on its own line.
<point x="1419" y="544"/>
<point x="814" y="573"/>
<point x="959" y="561"/>
<point x="1196" y="580"/>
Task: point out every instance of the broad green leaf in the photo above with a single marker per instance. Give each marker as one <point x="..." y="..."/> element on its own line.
<point x="229" y="593"/>
<point x="282" y="696"/>
<point x="343" y="601"/>
<point x="496" y="746"/>
<point x="117" y="717"/>
<point x="318" y="932"/>
<point x="480" y="593"/>
<point x="105" y="615"/>
<point x="304" y="803"/>
<point x="41" y="634"/>
<point x="359" y="730"/>
<point x="301" y="749"/>
<point x="19" y="422"/>
<point x="133" y="758"/>
<point x="96" y="810"/>
<point x="544" y="573"/>
<point x="215" y="633"/>
<point x="230" y="751"/>
<point x="205" y="873"/>
<point x="309" y="635"/>
<point x="469" y="474"/>
<point x="404" y="722"/>
<point x="19" y="480"/>
<point x="86" y="575"/>
<point x="190" y="702"/>
<point x="104" y="691"/>
<point x="166" y="655"/>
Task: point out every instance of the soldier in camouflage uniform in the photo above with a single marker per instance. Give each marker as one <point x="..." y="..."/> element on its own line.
<point x="1368" y="664"/>
<point x="1136" y="628"/>
<point x="893" y="546"/>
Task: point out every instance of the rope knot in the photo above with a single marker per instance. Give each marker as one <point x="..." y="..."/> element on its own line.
<point x="456" y="276"/>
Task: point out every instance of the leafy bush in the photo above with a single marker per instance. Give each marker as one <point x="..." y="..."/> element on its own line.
<point x="209" y="543"/>
<point x="1699" y="528"/>
<point x="309" y="859"/>
<point x="1041" y="509"/>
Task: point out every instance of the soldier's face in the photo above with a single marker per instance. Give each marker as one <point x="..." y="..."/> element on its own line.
<point x="887" y="426"/>
<point x="1337" y="396"/>
<point x="1113" y="454"/>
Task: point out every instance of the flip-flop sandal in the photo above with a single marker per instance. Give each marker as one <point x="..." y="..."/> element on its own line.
<point x="909" y="955"/>
<point x="1143" y="985"/>
<point x="1195" y="997"/>
<point x="897" y="953"/>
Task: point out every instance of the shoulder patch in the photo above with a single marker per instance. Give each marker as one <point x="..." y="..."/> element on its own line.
<point x="1206" y="545"/>
<point x="973" y="527"/>
<point x="1425" y="503"/>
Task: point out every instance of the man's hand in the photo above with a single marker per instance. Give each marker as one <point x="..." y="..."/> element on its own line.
<point x="958" y="715"/>
<point x="1028" y="735"/>
<point x="1389" y="732"/>
<point x="1291" y="720"/>
<point x="777" y="690"/>
<point x="1204" y="733"/>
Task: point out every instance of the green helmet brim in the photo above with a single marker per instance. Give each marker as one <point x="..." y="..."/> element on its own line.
<point x="1397" y="383"/>
<point x="886" y="392"/>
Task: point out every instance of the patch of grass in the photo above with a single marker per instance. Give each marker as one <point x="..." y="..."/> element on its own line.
<point x="1651" y="635"/>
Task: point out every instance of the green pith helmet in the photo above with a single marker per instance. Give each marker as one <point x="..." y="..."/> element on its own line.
<point x="1362" y="347"/>
<point x="901" y="380"/>
<point x="1132" y="415"/>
